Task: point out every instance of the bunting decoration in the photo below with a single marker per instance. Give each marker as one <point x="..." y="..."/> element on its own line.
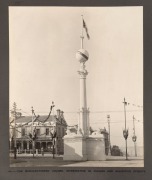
<point x="127" y="103"/>
<point x="52" y="105"/>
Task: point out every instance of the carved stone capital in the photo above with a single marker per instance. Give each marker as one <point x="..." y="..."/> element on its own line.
<point x="83" y="73"/>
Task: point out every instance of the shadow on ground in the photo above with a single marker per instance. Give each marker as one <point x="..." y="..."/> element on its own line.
<point x="39" y="161"/>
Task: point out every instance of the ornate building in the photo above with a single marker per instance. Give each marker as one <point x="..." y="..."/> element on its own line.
<point x="48" y="132"/>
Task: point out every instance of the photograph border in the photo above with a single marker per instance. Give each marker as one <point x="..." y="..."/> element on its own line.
<point x="16" y="173"/>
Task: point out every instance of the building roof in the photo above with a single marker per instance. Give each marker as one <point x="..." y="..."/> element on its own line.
<point x="41" y="119"/>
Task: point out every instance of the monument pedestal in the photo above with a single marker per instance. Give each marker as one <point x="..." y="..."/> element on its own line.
<point x="96" y="148"/>
<point x="79" y="148"/>
<point x="75" y="148"/>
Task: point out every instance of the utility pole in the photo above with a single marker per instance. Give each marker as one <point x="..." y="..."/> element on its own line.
<point x="125" y="131"/>
<point x="14" y="110"/>
<point x="53" y="147"/>
<point x="108" y="118"/>
<point x="53" y="134"/>
<point x="33" y="144"/>
<point x="134" y="137"/>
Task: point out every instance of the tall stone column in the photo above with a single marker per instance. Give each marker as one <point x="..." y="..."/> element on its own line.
<point x="75" y="147"/>
<point x="82" y="146"/>
<point x="82" y="55"/>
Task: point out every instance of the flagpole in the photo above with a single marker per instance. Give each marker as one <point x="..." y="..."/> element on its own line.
<point x="82" y="37"/>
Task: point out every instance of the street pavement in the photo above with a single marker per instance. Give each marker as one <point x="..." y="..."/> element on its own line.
<point x="49" y="161"/>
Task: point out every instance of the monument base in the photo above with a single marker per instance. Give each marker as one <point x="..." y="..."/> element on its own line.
<point x="79" y="148"/>
<point x="96" y="148"/>
<point x="74" y="148"/>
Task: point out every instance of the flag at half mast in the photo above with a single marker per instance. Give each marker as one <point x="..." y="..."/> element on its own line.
<point x="86" y="29"/>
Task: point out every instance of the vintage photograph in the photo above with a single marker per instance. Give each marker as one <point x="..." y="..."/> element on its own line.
<point x="76" y="86"/>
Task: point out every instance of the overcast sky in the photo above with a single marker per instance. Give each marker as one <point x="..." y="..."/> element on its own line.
<point x="43" y="68"/>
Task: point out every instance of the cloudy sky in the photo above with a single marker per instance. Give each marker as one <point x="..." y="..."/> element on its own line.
<point x="43" y="42"/>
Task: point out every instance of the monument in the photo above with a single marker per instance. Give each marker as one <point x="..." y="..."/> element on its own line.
<point x="82" y="146"/>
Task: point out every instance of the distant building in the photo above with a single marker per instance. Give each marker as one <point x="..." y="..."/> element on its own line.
<point x="44" y="129"/>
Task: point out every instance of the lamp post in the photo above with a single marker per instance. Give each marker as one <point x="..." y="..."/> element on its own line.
<point x="108" y="117"/>
<point x="134" y="137"/>
<point x="125" y="131"/>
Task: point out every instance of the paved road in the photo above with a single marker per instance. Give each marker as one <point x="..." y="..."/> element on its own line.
<point x="58" y="162"/>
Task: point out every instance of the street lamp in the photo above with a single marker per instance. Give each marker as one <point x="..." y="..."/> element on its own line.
<point x="125" y="131"/>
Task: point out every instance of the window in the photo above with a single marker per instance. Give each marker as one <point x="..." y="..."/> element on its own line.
<point x="62" y="131"/>
<point x="47" y="131"/>
<point x="23" y="131"/>
<point x="16" y="133"/>
<point x="59" y="134"/>
<point x="38" y="132"/>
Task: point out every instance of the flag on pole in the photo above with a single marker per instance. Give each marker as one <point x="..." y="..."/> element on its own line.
<point x="85" y="27"/>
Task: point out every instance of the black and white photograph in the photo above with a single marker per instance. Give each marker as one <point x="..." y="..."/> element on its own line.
<point x="76" y="86"/>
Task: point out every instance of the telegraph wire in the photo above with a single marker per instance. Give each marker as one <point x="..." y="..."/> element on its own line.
<point x="76" y="112"/>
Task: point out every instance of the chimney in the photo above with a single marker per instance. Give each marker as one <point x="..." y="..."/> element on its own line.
<point x="58" y="113"/>
<point x="19" y="114"/>
<point x="61" y="114"/>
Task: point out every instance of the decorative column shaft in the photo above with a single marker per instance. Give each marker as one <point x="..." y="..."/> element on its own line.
<point x="83" y="125"/>
<point x="83" y="94"/>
